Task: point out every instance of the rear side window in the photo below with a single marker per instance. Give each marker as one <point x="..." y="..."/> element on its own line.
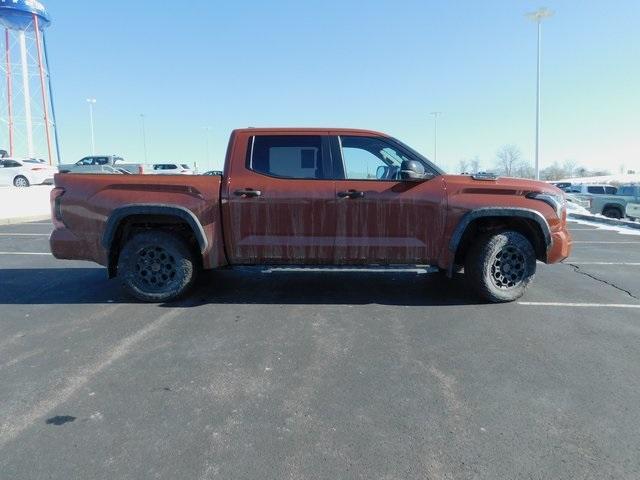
<point x="185" y="166"/>
<point x="595" y="190"/>
<point x="295" y="156"/>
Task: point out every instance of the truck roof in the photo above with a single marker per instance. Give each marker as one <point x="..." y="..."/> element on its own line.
<point x="338" y="131"/>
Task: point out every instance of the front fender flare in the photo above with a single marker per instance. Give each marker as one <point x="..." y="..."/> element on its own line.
<point x="525" y="213"/>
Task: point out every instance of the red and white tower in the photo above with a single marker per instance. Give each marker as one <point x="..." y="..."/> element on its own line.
<point x="27" y="113"/>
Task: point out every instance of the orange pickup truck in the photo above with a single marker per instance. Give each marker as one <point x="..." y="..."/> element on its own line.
<point x="310" y="197"/>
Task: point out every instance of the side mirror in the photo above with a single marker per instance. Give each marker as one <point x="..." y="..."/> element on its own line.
<point x="413" y="171"/>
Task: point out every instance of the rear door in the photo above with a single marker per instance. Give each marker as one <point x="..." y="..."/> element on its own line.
<point x="281" y="199"/>
<point x="381" y="219"/>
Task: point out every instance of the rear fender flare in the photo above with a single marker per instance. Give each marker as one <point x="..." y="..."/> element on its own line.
<point x="120" y="214"/>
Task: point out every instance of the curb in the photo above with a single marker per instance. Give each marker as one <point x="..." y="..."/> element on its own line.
<point x="607" y="221"/>
<point x="17" y="220"/>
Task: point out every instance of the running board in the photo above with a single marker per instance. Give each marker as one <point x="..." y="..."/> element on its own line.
<point x="416" y="269"/>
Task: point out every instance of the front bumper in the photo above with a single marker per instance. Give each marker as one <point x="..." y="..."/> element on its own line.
<point x="562" y="244"/>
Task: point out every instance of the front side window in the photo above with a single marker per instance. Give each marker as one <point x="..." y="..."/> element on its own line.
<point x="610" y="190"/>
<point x="295" y="156"/>
<point x="595" y="190"/>
<point x="371" y="158"/>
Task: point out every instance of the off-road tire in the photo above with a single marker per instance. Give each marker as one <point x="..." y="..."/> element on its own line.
<point x="157" y="266"/>
<point x="612" y="213"/>
<point x="21" y="182"/>
<point x="500" y="266"/>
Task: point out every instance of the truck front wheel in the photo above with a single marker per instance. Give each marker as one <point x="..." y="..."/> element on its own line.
<point x="156" y="266"/>
<point x="499" y="267"/>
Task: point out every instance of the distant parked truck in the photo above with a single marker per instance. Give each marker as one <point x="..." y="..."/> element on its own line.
<point x="93" y="164"/>
<point x="103" y="164"/>
<point x="614" y="206"/>
<point x="591" y="189"/>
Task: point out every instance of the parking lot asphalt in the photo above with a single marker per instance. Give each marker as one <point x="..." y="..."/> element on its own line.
<point x="320" y="375"/>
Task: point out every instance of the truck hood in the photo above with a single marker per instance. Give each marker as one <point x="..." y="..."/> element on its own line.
<point x="499" y="186"/>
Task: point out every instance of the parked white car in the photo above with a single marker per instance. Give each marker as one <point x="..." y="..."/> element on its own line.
<point x="172" y="169"/>
<point x="24" y="173"/>
<point x="633" y="211"/>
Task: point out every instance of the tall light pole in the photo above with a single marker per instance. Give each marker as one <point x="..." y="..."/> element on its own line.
<point x="436" y="116"/>
<point x="144" y="137"/>
<point x="538" y="16"/>
<point x="92" y="102"/>
<point x="207" y="132"/>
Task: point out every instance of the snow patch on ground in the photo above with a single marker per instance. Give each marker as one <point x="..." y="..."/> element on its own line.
<point x="602" y="226"/>
<point x="621" y="178"/>
<point x="24" y="202"/>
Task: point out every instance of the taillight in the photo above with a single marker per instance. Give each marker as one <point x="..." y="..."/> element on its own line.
<point x="56" y="207"/>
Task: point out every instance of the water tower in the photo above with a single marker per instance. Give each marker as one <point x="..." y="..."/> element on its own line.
<point x="27" y="115"/>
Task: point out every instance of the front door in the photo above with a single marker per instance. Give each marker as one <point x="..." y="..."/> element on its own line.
<point x="281" y="200"/>
<point x="380" y="218"/>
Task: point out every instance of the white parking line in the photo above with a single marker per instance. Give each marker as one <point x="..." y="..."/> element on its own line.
<point x="605" y="242"/>
<point x="578" y="305"/>
<point x="24" y="234"/>
<point x="23" y="253"/>
<point x="626" y="264"/>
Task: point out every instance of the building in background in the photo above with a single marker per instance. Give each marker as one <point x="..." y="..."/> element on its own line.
<point x="27" y="113"/>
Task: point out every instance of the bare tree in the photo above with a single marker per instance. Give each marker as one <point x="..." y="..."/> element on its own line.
<point x="463" y="166"/>
<point x="553" y="172"/>
<point x="509" y="158"/>
<point x="569" y="166"/>
<point x="475" y="165"/>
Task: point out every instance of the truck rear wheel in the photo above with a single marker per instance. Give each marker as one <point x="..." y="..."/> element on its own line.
<point x="156" y="266"/>
<point x="500" y="267"/>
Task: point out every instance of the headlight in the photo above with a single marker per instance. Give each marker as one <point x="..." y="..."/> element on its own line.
<point x="557" y="202"/>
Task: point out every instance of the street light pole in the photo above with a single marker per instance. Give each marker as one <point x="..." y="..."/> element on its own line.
<point x="435" y="115"/>
<point x="207" y="131"/>
<point x="144" y="137"/>
<point x="538" y="16"/>
<point x="92" y="102"/>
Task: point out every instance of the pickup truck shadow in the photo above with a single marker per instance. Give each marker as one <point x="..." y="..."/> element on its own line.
<point x="60" y="286"/>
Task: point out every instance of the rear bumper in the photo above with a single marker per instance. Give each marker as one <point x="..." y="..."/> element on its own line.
<point x="561" y="246"/>
<point x="64" y="244"/>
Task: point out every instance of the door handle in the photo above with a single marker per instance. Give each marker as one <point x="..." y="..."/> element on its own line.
<point x="353" y="194"/>
<point x="247" y="192"/>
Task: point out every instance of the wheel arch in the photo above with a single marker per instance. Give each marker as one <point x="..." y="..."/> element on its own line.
<point x="530" y="223"/>
<point x="613" y="206"/>
<point x="149" y="216"/>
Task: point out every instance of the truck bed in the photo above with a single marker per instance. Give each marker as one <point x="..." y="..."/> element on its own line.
<point x="90" y="199"/>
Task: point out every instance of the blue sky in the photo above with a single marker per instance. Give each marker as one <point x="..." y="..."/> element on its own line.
<point x="381" y="65"/>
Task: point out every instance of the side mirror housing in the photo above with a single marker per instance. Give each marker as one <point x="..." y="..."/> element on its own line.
<point x="413" y="171"/>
